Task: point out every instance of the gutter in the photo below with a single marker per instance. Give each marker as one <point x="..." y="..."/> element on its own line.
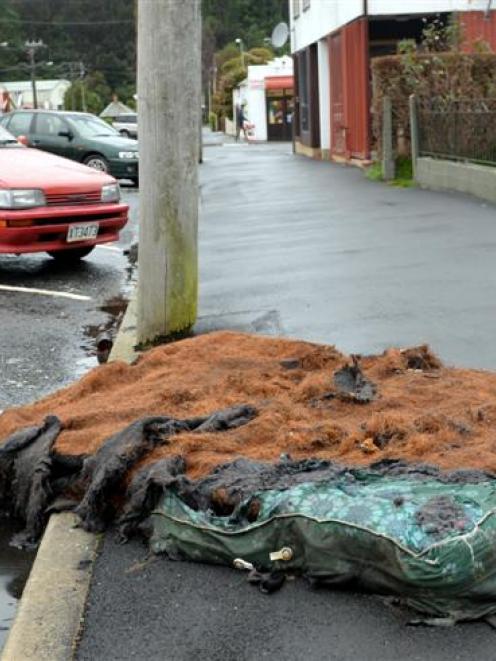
<point x="51" y="611"/>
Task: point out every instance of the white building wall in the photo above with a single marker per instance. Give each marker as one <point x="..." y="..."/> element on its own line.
<point x="251" y="92"/>
<point x="379" y="7"/>
<point x="56" y="98"/>
<point x="322" y="17"/>
<point x="324" y="96"/>
<point x="325" y="16"/>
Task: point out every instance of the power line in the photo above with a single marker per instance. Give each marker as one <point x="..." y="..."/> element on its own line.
<point x="20" y="21"/>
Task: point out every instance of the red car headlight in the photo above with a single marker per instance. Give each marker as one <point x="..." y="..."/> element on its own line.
<point x="21" y="198"/>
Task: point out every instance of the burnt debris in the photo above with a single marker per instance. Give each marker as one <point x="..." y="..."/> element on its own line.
<point x="351" y="383"/>
<point x="36" y="480"/>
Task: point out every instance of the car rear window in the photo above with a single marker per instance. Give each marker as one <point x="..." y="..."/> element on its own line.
<point x="20" y="123"/>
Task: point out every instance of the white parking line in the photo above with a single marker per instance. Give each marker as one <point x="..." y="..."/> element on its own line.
<point x="46" y="292"/>
<point x="105" y="247"/>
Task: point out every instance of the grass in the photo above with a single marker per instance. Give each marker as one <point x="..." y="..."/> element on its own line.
<point x="404" y="173"/>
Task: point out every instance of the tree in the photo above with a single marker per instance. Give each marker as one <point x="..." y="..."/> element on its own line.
<point x="96" y="91"/>
<point x="102" y="35"/>
<point x="232" y="69"/>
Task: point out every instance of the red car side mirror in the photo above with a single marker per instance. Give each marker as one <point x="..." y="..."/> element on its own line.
<point x="23" y="140"/>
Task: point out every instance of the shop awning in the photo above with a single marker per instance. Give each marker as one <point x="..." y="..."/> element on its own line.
<point x="279" y="82"/>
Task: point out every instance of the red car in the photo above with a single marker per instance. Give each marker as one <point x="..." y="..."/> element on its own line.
<point x="50" y="204"/>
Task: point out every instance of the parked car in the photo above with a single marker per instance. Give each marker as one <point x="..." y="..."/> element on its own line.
<point x="50" y="204"/>
<point x="79" y="136"/>
<point x="127" y="125"/>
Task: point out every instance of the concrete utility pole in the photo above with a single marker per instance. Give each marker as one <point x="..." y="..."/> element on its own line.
<point x="82" y="73"/>
<point x="169" y="113"/>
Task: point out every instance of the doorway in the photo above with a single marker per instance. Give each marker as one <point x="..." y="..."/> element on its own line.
<point x="280" y="109"/>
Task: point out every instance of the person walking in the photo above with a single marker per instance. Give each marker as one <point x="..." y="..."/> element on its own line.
<point x="240" y="121"/>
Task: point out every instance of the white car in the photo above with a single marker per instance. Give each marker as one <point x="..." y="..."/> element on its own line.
<point x="127" y="125"/>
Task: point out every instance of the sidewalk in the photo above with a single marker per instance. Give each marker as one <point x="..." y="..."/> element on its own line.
<point x="314" y="250"/>
<point x="311" y="250"/>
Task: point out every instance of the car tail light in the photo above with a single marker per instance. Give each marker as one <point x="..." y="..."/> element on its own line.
<point x="3" y="223"/>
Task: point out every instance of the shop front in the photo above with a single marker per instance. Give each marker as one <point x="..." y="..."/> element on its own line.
<point x="279" y="94"/>
<point x="266" y="98"/>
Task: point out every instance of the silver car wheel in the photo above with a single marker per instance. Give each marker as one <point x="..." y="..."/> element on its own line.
<point x="97" y="163"/>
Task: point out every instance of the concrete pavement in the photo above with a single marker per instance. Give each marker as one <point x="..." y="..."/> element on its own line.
<point x="316" y="251"/>
<point x="312" y="250"/>
<point x="173" y="611"/>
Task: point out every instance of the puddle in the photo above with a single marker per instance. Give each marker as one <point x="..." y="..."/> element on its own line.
<point x="114" y="308"/>
<point x="15" y="566"/>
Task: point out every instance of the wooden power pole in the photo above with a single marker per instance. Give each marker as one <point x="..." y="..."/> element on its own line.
<point x="169" y="113"/>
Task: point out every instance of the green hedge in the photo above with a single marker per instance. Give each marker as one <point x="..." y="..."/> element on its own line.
<point x="448" y="76"/>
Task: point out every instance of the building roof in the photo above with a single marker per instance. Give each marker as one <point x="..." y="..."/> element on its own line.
<point x="20" y="86"/>
<point x="115" y="108"/>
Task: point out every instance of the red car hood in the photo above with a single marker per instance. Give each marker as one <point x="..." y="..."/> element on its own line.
<point x="32" y="168"/>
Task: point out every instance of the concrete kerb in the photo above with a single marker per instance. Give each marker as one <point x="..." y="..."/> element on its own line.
<point x="50" y="614"/>
<point x="125" y="342"/>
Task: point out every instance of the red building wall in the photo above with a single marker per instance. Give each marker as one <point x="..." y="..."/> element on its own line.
<point x="350" y="90"/>
<point x="476" y="26"/>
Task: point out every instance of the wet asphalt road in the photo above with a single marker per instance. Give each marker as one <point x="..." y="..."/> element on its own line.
<point x="15" y="566"/>
<point x="175" y="611"/>
<point x="43" y="343"/>
<point x="312" y="250"/>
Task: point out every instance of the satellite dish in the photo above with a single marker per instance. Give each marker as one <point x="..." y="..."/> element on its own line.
<point x="280" y="35"/>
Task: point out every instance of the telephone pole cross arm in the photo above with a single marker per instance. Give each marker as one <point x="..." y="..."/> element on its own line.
<point x="31" y="48"/>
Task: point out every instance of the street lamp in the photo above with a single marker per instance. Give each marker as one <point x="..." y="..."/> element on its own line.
<point x="239" y="42"/>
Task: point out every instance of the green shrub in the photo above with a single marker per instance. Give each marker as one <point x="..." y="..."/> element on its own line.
<point x="212" y="120"/>
<point x="446" y="76"/>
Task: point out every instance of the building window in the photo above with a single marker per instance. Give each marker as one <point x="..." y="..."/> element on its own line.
<point x="296" y="8"/>
<point x="306" y="4"/>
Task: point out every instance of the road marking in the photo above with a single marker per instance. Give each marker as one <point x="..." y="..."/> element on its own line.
<point x="113" y="248"/>
<point x="46" y="292"/>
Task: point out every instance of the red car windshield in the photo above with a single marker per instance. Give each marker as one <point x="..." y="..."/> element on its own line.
<point x="7" y="139"/>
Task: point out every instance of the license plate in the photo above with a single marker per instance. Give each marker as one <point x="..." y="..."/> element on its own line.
<point x="82" y="232"/>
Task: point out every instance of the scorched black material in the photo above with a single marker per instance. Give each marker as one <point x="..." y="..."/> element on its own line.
<point x="33" y="476"/>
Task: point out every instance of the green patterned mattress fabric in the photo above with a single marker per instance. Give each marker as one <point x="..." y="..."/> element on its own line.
<point x="431" y="543"/>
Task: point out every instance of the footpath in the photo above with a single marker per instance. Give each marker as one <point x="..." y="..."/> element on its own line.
<point x="311" y="250"/>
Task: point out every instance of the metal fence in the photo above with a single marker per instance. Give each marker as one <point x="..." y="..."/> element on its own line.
<point x="461" y="129"/>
